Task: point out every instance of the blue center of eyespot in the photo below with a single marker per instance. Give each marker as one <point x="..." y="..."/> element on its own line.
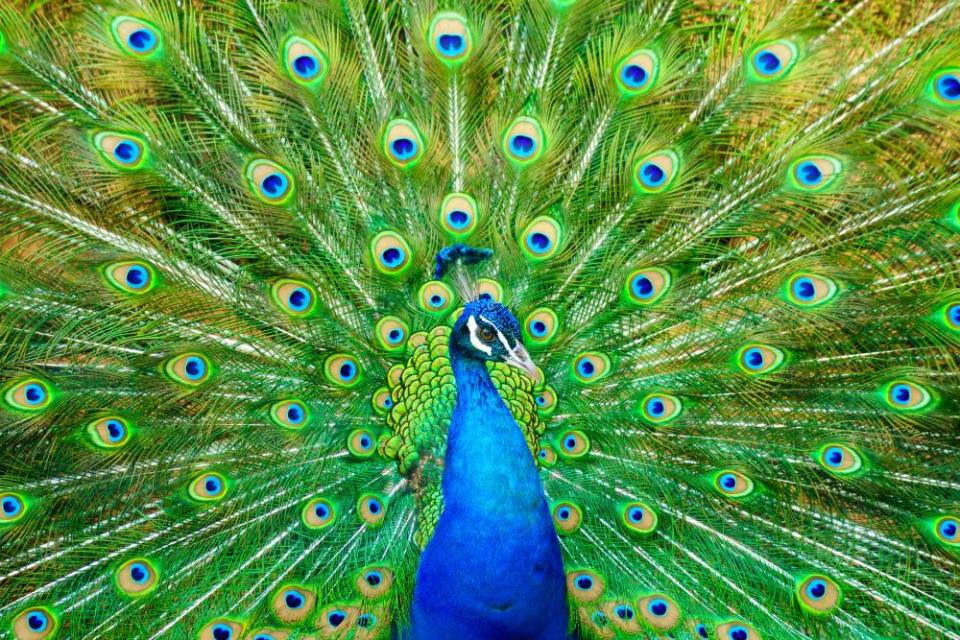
<point x="753" y="358"/>
<point x="658" y="607"/>
<point x="728" y="481"/>
<point x="702" y="630"/>
<point x="486" y="297"/>
<point x="642" y="287"/>
<point x="522" y="145"/>
<point x="392" y="256"/>
<point x="949" y="528"/>
<point x="293" y="599"/>
<point x="451" y="44"/>
<point x="11" y="506"/>
<point x="306" y="66"/>
<point x="586" y="367"/>
<point x="817" y="589"/>
<point x="541" y="400"/>
<point x="563" y="514"/>
<point x="834" y="456"/>
<point x="809" y="173"/>
<point x="394" y="335"/>
<point x="636" y="514"/>
<point x="141" y="40"/>
<point x="539" y="242"/>
<point x="126" y="152"/>
<point x="803" y="288"/>
<point x="436" y="300"/>
<point x="584" y="582"/>
<point x="294" y="413"/>
<point x="901" y="394"/>
<point x="403" y="148"/>
<point x="136" y="277"/>
<point x="634" y="75"/>
<point x="34" y="394"/>
<point x="599" y="618"/>
<point x="374" y="506"/>
<point x="388" y="402"/>
<point x="139" y="573"/>
<point x="365" y="442"/>
<point x="458" y="219"/>
<point x="655" y="407"/>
<point x="262" y="636"/>
<point x="570" y="442"/>
<point x="623" y="612"/>
<point x="194" y="367"/>
<point x="274" y="185"/>
<point x="37" y="621"/>
<point x="652" y="175"/>
<point x="948" y="86"/>
<point x="299" y="299"/>
<point x="373" y="578"/>
<point x="347" y="371"/>
<point x="953" y="315"/>
<point x="321" y="510"/>
<point x="538" y="328"/>
<point x="222" y="632"/>
<point x="114" y="430"/>
<point x="767" y="62"/>
<point x="212" y="485"/>
<point x="366" y="620"/>
<point x="738" y="633"/>
<point x="336" y="618"/>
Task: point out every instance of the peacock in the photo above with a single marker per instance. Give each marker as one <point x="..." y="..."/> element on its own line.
<point x="479" y="319"/>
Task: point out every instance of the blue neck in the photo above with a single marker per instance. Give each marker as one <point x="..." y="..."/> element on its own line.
<point x="493" y="567"/>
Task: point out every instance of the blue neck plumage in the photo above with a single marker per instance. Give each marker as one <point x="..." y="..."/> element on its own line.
<point x="493" y="567"/>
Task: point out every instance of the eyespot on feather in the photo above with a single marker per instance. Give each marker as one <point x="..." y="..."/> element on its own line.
<point x="342" y="370"/>
<point x="946" y="530"/>
<point x="489" y="290"/>
<point x="208" y="487"/>
<point x="584" y="585"/>
<point x="637" y="73"/>
<point x="269" y="182"/>
<point x="296" y="298"/>
<point x="318" y="513"/>
<point x="109" y="432"/>
<point x="35" y="623"/>
<point x="622" y="615"/>
<point x="944" y="87"/>
<point x="567" y="517"/>
<point x="590" y="367"/>
<point x="304" y="62"/>
<point x="450" y="38"/>
<point x="381" y="401"/>
<point x="290" y="414"/>
<point x="814" y="173"/>
<point x="371" y="509"/>
<point x="541" y="239"/>
<point x="293" y="603"/>
<point x="28" y="395"/>
<point x="137" y="37"/>
<point x="189" y="369"/>
<point x="361" y="443"/>
<point x="546" y="401"/>
<point x="660" y="408"/>
<point x="818" y="594"/>
<point x="758" y="359"/>
<point x="573" y="444"/>
<point x="13" y="507"/>
<point x="134" y="277"/>
<point x="839" y="459"/>
<point x="547" y="456"/>
<point x="809" y="290"/>
<point x="391" y="333"/>
<point x="732" y="484"/>
<point x="222" y="629"/>
<point x="907" y="396"/>
<point x="374" y="582"/>
<point x="136" y="578"/>
<point x="735" y="630"/>
<point x="523" y="142"/>
<point x="659" y="611"/>
<point x="123" y="151"/>
<point x="656" y="172"/>
<point x="435" y="297"/>
<point x="458" y="215"/>
<point x="772" y="61"/>
<point x="540" y="327"/>
<point x="402" y="143"/>
<point x="391" y="253"/>
<point x="336" y="619"/>
<point x="645" y="287"/>
<point x="638" y="518"/>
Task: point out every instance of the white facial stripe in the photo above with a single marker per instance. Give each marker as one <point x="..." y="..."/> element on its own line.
<point x="500" y="336"/>
<point x="474" y="340"/>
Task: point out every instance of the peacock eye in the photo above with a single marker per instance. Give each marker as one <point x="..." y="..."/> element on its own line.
<point x="486" y="334"/>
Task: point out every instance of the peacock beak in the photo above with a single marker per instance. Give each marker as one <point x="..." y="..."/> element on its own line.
<point x="520" y="359"/>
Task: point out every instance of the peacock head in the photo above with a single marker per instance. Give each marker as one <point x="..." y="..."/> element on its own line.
<point x="486" y="330"/>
